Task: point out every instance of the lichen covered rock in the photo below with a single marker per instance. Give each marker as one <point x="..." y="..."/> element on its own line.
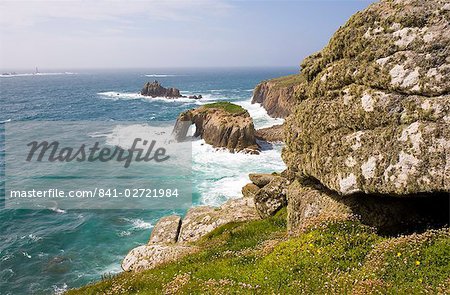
<point x="166" y="230"/>
<point x="271" y="197"/>
<point x="201" y="220"/>
<point x="151" y="256"/>
<point x="374" y="117"/>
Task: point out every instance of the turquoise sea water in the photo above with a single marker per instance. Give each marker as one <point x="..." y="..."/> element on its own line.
<point x="48" y="251"/>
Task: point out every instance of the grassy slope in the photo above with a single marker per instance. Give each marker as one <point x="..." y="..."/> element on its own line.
<point x="336" y="258"/>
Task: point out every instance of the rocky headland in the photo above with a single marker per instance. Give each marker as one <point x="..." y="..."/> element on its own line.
<point x="363" y="206"/>
<point x="220" y="124"/>
<point x="279" y="96"/>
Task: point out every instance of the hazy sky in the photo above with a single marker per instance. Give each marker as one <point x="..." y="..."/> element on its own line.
<point x="71" y="34"/>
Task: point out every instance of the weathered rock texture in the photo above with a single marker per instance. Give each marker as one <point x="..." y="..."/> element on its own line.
<point x="271" y="134"/>
<point x="166" y="230"/>
<point x="154" y="89"/>
<point x="150" y="256"/>
<point x="268" y="191"/>
<point x="172" y="237"/>
<point x="310" y="203"/>
<point x="219" y="127"/>
<point x="278" y="96"/>
<point x="373" y="115"/>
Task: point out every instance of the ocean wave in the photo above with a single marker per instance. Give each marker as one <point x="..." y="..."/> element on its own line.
<point x="59" y="290"/>
<point x="5" y="121"/>
<point x="138" y="224"/>
<point x="115" y="95"/>
<point x="221" y="174"/>
<point x="259" y="115"/>
<point x="26" y="255"/>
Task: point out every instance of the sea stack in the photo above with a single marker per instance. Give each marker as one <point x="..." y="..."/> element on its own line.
<point x="154" y="89"/>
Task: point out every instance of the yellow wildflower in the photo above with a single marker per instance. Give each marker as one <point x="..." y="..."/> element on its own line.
<point x="399" y="254"/>
<point x="417" y="262"/>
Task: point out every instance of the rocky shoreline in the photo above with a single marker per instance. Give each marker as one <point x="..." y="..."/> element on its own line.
<point x="367" y="135"/>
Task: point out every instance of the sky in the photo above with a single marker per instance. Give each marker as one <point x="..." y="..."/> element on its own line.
<point x="74" y="34"/>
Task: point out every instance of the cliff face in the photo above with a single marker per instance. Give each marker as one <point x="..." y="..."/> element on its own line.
<point x="221" y="125"/>
<point x="375" y="115"/>
<point x="279" y="96"/>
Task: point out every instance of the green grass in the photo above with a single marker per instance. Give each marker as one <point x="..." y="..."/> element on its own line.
<point x="258" y="258"/>
<point x="291" y="80"/>
<point x="227" y="106"/>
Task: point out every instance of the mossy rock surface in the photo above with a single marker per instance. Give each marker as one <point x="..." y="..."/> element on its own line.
<point x="226" y="106"/>
<point x="374" y="114"/>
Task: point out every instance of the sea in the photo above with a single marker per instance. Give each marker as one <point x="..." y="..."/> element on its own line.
<point x="51" y="250"/>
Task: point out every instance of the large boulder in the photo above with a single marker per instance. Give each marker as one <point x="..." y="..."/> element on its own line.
<point x="151" y="256"/>
<point x="373" y="115"/>
<point x="166" y="230"/>
<point x="271" y="197"/>
<point x="173" y="238"/>
<point x="220" y="124"/>
<point x="154" y="89"/>
<point x="201" y="220"/>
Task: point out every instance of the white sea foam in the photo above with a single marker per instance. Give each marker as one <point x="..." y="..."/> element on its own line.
<point x="138" y="224"/>
<point x="260" y="117"/>
<point x="141" y="224"/>
<point x="117" y="95"/>
<point x="6" y="121"/>
<point x="224" y="174"/>
<point x="218" y="174"/>
<point x="26" y="255"/>
<point x="58" y="210"/>
<point x="57" y="290"/>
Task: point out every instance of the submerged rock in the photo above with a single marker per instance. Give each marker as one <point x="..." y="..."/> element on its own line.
<point x="154" y="89"/>
<point x="221" y="125"/>
<point x="373" y="115"/>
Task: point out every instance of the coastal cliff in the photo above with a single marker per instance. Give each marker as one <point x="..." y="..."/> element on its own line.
<point x="363" y="207"/>
<point x="279" y="96"/>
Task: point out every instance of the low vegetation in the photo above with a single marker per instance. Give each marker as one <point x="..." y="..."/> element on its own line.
<point x="334" y="258"/>
<point x="227" y="106"/>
